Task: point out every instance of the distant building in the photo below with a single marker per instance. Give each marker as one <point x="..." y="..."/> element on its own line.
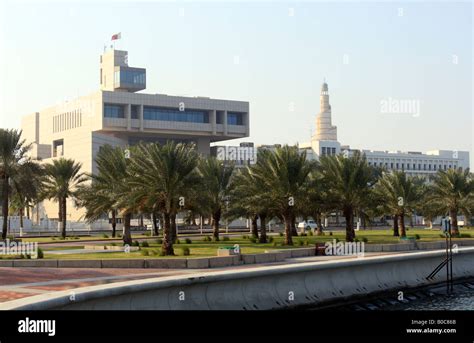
<point x="119" y="116"/>
<point x="324" y="142"/>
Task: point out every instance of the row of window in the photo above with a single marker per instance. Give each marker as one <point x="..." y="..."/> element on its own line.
<point x="133" y="77"/>
<point x="67" y="121"/>
<point x="412" y="166"/>
<point x="328" y="151"/>
<point x="167" y="114"/>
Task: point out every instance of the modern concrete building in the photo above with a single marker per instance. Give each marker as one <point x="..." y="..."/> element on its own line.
<point x="118" y="115"/>
<point x="324" y="142"/>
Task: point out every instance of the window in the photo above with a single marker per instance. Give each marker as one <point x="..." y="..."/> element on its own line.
<point x="130" y="77"/>
<point x="323" y="151"/>
<point x="234" y="118"/>
<point x="333" y="151"/>
<point x="168" y="114"/>
<point x="113" y="111"/>
<point x="135" y="112"/>
<point x="58" y="148"/>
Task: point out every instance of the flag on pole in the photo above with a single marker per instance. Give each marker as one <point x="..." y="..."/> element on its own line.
<point x="117" y="36"/>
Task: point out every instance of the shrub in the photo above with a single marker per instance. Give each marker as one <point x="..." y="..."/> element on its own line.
<point x="310" y="233"/>
<point x="145" y="244"/>
<point x="253" y="239"/>
<point x="245" y="237"/>
<point x="302" y="234"/>
<point x="270" y="239"/>
<point x="274" y="244"/>
<point x="146" y="234"/>
<point x="280" y="234"/>
<point x="40" y="253"/>
<point x="207" y="239"/>
<point x="177" y="241"/>
<point x="330" y="233"/>
<point x="306" y="242"/>
<point x="417" y="236"/>
<point x="159" y="241"/>
<point x="300" y="242"/>
<point x="145" y="252"/>
<point x="136" y="243"/>
<point x="225" y="238"/>
<point x="105" y="236"/>
<point x="464" y="235"/>
<point x="186" y="251"/>
<point x="364" y="239"/>
<point x="188" y="241"/>
<point x="215" y="239"/>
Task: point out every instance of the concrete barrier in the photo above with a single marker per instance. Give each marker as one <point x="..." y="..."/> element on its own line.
<point x="164" y="263"/>
<point x="303" y="252"/>
<point x="197" y="263"/>
<point x="123" y="263"/>
<point x="6" y="263"/>
<point x="36" y="263"/>
<point x="79" y="263"/>
<point x="224" y="261"/>
<point x="260" y="287"/>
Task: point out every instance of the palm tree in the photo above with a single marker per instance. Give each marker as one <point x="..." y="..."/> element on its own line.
<point x="216" y="178"/>
<point x="399" y="196"/>
<point x="163" y="175"/>
<point x="283" y="176"/>
<point x="249" y="199"/>
<point x="14" y="166"/>
<point x="349" y="181"/>
<point x="108" y="192"/>
<point x="62" y="177"/>
<point x="452" y="192"/>
<point x="25" y="188"/>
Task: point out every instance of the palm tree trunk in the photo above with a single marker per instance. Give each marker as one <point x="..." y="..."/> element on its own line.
<point x="21" y="217"/>
<point x="350" y="233"/>
<point x="114" y="222"/>
<point x="127" y="235"/>
<point x="454" y="223"/>
<point x="254" y="226"/>
<point x="294" y="232"/>
<point x="403" y="232"/>
<point x="155" y="226"/>
<point x="28" y="211"/>
<point x="263" y="228"/>
<point x="141" y="221"/>
<point x="174" y="234"/>
<point x="216" y="217"/>
<point x="318" y="222"/>
<point x="287" y="218"/>
<point x="396" y="233"/>
<point x="167" y="246"/>
<point x="63" y="212"/>
<point x="5" y="207"/>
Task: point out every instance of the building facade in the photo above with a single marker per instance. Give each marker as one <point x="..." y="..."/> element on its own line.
<point x="117" y="115"/>
<point x="324" y="142"/>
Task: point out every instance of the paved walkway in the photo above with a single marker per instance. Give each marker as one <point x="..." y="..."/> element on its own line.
<point x="24" y="282"/>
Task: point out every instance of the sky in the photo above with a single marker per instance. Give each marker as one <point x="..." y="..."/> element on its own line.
<point x="274" y="54"/>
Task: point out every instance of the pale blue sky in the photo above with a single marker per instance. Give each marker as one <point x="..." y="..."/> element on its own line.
<point x="49" y="51"/>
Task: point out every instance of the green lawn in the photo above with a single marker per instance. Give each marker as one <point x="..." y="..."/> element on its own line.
<point x="199" y="248"/>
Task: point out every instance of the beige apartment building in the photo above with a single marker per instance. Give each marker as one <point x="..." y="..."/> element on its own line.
<point x="118" y="115"/>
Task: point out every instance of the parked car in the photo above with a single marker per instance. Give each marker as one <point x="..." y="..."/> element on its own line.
<point x="308" y="225"/>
